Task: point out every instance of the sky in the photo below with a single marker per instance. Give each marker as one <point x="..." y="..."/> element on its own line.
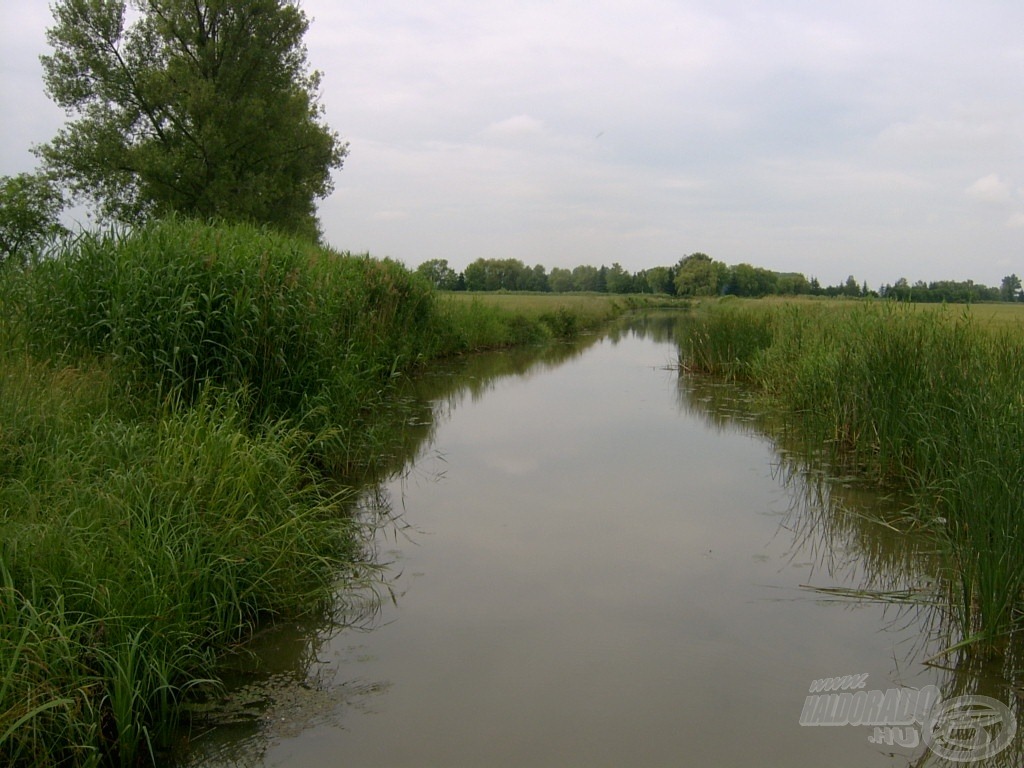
<point x="879" y="139"/>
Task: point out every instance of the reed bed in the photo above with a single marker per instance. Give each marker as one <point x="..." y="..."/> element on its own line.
<point x="492" y="319"/>
<point x="183" y="409"/>
<point x="925" y="400"/>
<point x="180" y="305"/>
<point x="131" y="551"/>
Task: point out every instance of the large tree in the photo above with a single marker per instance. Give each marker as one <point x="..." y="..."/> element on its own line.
<point x="439" y="274"/>
<point x="203" y="107"/>
<point x="700" y="275"/>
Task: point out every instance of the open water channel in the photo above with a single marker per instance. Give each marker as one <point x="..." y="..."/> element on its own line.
<point x="598" y="561"/>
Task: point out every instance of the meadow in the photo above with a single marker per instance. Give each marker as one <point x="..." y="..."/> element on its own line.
<point x="924" y="399"/>
<point x="185" y="411"/>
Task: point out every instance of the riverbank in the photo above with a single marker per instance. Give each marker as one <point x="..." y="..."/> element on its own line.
<point x="927" y="400"/>
<point x="179" y="410"/>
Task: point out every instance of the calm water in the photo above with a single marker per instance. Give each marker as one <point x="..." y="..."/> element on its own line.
<point x="596" y="562"/>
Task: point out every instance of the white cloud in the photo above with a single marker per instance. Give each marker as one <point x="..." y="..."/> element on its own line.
<point x="825" y="138"/>
<point x="991" y="189"/>
<point x="520" y="125"/>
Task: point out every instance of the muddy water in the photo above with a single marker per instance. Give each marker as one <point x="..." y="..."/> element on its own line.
<point x="594" y="561"/>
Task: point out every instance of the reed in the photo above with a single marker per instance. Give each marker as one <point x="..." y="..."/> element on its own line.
<point x="184" y="410"/>
<point x="180" y="304"/>
<point x="134" y="552"/>
<point x="925" y="400"/>
<point x="473" y="322"/>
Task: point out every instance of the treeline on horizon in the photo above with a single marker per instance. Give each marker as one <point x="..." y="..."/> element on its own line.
<point x="697" y="275"/>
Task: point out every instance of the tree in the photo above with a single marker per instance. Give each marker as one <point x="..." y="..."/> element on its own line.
<point x="439" y="274"/>
<point x="475" y="275"/>
<point x="618" y="280"/>
<point x="585" y="278"/>
<point x="202" y="107"/>
<point x="560" y="280"/>
<point x="537" y="279"/>
<point x="659" y="280"/>
<point x="29" y="208"/>
<point x="1010" y="288"/>
<point x="792" y="284"/>
<point x="747" y="280"/>
<point x="700" y="275"/>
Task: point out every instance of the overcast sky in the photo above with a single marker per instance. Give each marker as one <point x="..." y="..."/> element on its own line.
<point x="883" y="139"/>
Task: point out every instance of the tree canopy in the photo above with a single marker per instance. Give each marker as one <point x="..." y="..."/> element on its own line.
<point x="201" y="107"/>
<point x="30" y="205"/>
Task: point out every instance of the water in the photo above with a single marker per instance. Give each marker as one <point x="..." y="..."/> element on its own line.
<point x="597" y="562"/>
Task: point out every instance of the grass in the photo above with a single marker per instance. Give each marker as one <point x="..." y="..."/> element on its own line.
<point x="178" y="306"/>
<point x="179" y="409"/>
<point x="488" y="320"/>
<point x="132" y="550"/>
<point x="925" y="399"/>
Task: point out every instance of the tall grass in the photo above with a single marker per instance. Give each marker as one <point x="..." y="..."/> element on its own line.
<point x="474" y="322"/>
<point x="132" y="552"/>
<point x="179" y="305"/>
<point x="179" y="407"/>
<point x="924" y="400"/>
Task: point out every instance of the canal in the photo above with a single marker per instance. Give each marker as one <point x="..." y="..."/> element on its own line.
<point x="590" y="559"/>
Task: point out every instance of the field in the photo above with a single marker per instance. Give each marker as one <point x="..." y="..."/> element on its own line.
<point x="994" y="314"/>
<point x="926" y="399"/>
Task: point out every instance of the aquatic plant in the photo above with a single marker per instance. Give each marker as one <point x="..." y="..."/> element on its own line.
<point x="183" y="411"/>
<point x="926" y="400"/>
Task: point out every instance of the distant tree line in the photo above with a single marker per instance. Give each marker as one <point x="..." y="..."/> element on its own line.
<point x="695" y="275"/>
<point x="953" y="291"/>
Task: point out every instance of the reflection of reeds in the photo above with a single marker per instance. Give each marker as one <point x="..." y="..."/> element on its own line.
<point x="851" y="534"/>
<point x="927" y="401"/>
<point x="177" y="404"/>
<point x="870" y="545"/>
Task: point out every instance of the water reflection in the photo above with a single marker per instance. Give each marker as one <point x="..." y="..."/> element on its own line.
<point x="869" y="544"/>
<point x="591" y="566"/>
<point x="289" y="679"/>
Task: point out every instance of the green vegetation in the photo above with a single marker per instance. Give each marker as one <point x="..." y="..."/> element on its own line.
<point x="29" y="207"/>
<point x="489" y="320"/>
<point x="927" y="400"/>
<point x="180" y="408"/>
<point x="202" y="109"/>
<point x="695" y="276"/>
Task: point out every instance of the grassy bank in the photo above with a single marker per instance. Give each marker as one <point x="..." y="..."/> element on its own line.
<point x="492" y="319"/>
<point x="176" y="409"/>
<point x="926" y="399"/>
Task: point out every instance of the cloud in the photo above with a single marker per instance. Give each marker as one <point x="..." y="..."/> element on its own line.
<point x="817" y="137"/>
<point x="991" y="189"/>
<point x="520" y="125"/>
